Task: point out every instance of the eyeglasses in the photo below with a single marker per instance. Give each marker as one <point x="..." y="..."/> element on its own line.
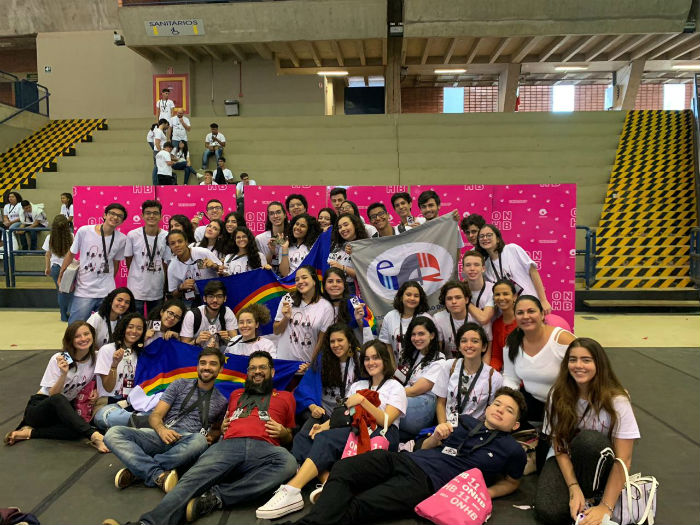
<point x="215" y="208"/>
<point x="485" y="236"/>
<point x="262" y="368"/>
<point x="115" y="215"/>
<point x="173" y="315"/>
<point x="151" y="213"/>
<point x="219" y="296"/>
<point x="377" y="215"/>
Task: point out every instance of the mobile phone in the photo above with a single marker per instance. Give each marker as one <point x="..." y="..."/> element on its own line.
<point x="410" y="220"/>
<point x="355" y="301"/>
<point x="67" y="357"/>
<point x="288" y="299"/>
<point x="155" y="326"/>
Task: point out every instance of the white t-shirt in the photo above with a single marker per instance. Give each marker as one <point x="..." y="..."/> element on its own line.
<point x="67" y="211"/>
<point x="394" y="328"/>
<point x="126" y="370"/>
<point x="299" y="339"/>
<point x="447" y="387"/>
<point x="76" y="379"/>
<point x="537" y="373"/>
<point x="215" y="141"/>
<point x="241" y="348"/>
<point x="180" y="156"/>
<point x="625" y="428"/>
<point x="179" y="131"/>
<point x="341" y="256"/>
<point x="400" y="228"/>
<point x="162" y="159"/>
<point x="239" y="264"/>
<point x="206" y="325"/>
<point x="297" y="254"/>
<point x="391" y="393"/>
<point x="12" y="211"/>
<point x="442" y="322"/>
<point x="430" y="371"/>
<point x="262" y="239"/>
<point x="158" y="134"/>
<point x="515" y="265"/>
<point x="485" y="300"/>
<point x="92" y="281"/>
<point x="179" y="271"/>
<point x="149" y="135"/>
<point x="228" y="174"/>
<point x="146" y="284"/>
<point x="165" y="109"/>
<point x="55" y="259"/>
<point x="101" y="331"/>
<point x="240" y="187"/>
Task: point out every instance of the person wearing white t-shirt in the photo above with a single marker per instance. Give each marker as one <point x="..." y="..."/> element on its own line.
<point x="270" y="240"/>
<point x="212" y="331"/>
<point x="350" y="207"/>
<point x="250" y="318"/>
<point x="590" y="419"/>
<point x="208" y="178"/>
<point x="429" y="205"/>
<point x="118" y="302"/>
<point x="149" y="136"/>
<point x="401" y="202"/>
<point x="245" y="256"/>
<point x="179" y="126"/>
<point x="160" y="137"/>
<point x="215" y="210"/>
<point x="410" y="301"/>
<point x="512" y="262"/>
<point x="481" y="308"/>
<point x="115" y="371"/>
<point x="165" y="106"/>
<point x="67" y="206"/>
<point x="49" y="413"/>
<point x="328" y="443"/>
<point x="214" y="144"/>
<point x="455" y="298"/>
<point x="164" y="166"/>
<point x="188" y="265"/>
<point x="56" y="245"/>
<point x="222" y="175"/>
<point x="466" y="384"/>
<point x="147" y="258"/>
<point x="302" y="319"/>
<point x="419" y="368"/>
<point x="240" y="189"/>
<point x="304" y="231"/>
<point x="101" y="247"/>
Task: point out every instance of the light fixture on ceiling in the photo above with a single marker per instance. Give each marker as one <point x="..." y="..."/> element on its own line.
<point x="332" y="73"/>
<point x="449" y="71"/>
<point x="570" y="68"/>
<point x="686" y="67"/>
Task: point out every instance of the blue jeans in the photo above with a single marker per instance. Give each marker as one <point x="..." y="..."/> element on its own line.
<point x="64" y="299"/>
<point x="111" y="415"/>
<point x="146" y="456"/>
<point x="420" y="413"/>
<point x="236" y="470"/>
<point x="150" y="305"/>
<point x="154" y="174"/>
<point x="183" y="166"/>
<point x="207" y="154"/>
<point x="82" y="307"/>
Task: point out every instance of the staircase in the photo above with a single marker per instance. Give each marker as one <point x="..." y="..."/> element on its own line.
<point x="650" y="206"/>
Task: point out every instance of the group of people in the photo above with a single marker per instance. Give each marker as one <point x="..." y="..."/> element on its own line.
<point x="447" y="388"/>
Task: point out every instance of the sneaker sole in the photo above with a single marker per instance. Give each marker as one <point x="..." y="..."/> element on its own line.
<point x="278" y="513"/>
<point x="189" y="512"/>
<point x="170" y="481"/>
<point x="122" y="486"/>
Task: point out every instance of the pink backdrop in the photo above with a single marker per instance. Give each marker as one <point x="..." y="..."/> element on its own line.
<point x="363" y="196"/>
<point x="258" y="197"/>
<point x="188" y="200"/>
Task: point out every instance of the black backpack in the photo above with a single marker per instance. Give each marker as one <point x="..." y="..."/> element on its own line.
<point x="198" y="319"/>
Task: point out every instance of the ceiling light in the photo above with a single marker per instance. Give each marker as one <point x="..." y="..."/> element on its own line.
<point x="570" y="68"/>
<point x="332" y="73"/>
<point x="449" y="71"/>
<point x="687" y="67"/>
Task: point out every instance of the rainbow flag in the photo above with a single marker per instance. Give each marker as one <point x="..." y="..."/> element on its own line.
<point x="264" y="287"/>
<point x="162" y="362"/>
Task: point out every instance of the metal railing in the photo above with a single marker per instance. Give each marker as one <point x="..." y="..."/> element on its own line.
<point x="24" y="95"/>
<point x="9" y="254"/>
<point x="589" y="256"/>
<point x="695" y="256"/>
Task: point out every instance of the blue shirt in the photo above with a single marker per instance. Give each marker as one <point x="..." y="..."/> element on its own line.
<point x="503" y="456"/>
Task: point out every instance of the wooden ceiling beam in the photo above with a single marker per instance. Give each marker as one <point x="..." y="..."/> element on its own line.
<point x="262" y="50"/>
<point x="471" y="54"/>
<point x="576" y="48"/>
<point x="338" y="54"/>
<point x="426" y="51"/>
<point x="628" y="46"/>
<point x="236" y="52"/>
<point x="602" y="46"/>
<point x="529" y="43"/>
<point x="681" y="50"/>
<point x="450" y="51"/>
<point x="499" y="49"/>
<point x="552" y="47"/>
<point x="186" y="50"/>
<point x="291" y="54"/>
<point x="361" y="51"/>
<point x="672" y="44"/>
<point x="314" y="54"/>
<point x="657" y="41"/>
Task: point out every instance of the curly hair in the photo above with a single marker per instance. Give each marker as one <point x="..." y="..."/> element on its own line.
<point x="450" y="285"/>
<point x="106" y="306"/>
<point x="330" y="363"/>
<point x="61" y="236"/>
<point x="408" y="349"/>
<point x="337" y="242"/>
<point x="185" y="227"/>
<point x="120" y="331"/>
<point x="155" y="313"/>
<point x="251" y="249"/>
<point x="219" y="239"/>
<point x="313" y="230"/>
<point x="260" y="313"/>
<point x="422" y="304"/>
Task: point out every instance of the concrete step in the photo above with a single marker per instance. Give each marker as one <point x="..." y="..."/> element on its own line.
<point x="519" y="129"/>
<point x="538" y="142"/>
<point x="460" y="159"/>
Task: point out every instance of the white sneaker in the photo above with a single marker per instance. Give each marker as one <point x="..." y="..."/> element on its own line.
<point x="281" y="504"/>
<point x="200" y="175"/>
<point x="315" y="493"/>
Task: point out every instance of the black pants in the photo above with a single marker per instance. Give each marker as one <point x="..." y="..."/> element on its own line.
<point x="53" y="417"/>
<point x="552" y="497"/>
<point x="369" y="487"/>
<point x="166" y="180"/>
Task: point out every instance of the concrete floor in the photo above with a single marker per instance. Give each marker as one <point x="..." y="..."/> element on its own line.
<point x="656" y="357"/>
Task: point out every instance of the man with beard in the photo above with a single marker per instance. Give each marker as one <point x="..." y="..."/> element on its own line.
<point x="247" y="463"/>
<point x="185" y="421"/>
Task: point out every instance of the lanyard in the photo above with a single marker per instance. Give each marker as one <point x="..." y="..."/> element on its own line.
<point x="493" y="434"/>
<point x="461" y="403"/>
<point x="401" y="330"/>
<point x="151" y="252"/>
<point x="343" y="386"/>
<point x="109" y="329"/>
<point x="500" y="265"/>
<point x="12" y="210"/>
<point x="454" y="332"/>
<point x="203" y="412"/>
<point x="105" y="251"/>
<point x="413" y="367"/>
<point x="483" y="287"/>
<point x="380" y="384"/>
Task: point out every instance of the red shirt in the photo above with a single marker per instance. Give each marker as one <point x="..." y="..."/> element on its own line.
<point x="282" y="407"/>
<point x="500" y="332"/>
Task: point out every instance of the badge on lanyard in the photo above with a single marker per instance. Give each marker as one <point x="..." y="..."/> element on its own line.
<point x="203" y="431"/>
<point x="151" y="267"/>
<point x="236" y="414"/>
<point x="453" y="418"/>
<point x="128" y="383"/>
<point x="449" y="451"/>
<point x="105" y="268"/>
<point x="264" y="415"/>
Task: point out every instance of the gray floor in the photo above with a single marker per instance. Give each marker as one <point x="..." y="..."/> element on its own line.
<point x="67" y="482"/>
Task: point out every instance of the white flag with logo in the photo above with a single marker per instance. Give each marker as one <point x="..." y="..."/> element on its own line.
<point x="426" y="254"/>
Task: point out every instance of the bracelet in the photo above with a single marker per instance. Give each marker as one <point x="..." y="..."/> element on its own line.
<point x="572" y="484"/>
<point x="608" y="507"/>
<point x="285" y="254"/>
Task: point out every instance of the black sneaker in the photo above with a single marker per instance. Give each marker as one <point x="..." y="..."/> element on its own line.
<point x="202" y="505"/>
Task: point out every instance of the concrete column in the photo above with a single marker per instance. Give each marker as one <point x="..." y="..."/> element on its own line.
<point x="508" y="87"/>
<point x="626" y="86"/>
<point x="339" y="96"/>
<point x="392" y="77"/>
<point x="328" y="99"/>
